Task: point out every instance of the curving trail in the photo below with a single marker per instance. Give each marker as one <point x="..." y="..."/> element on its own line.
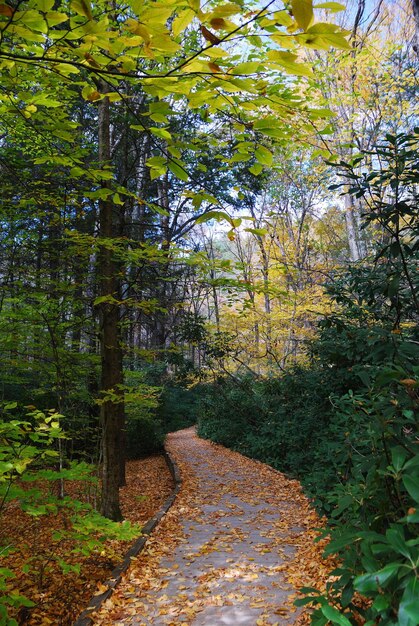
<point x="231" y="551"/>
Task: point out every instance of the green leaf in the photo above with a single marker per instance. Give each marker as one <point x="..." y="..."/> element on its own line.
<point x="32" y="19"/>
<point x="288" y="61"/>
<point x="370" y="582"/>
<point x="157" y="209"/>
<point x="263" y="155"/>
<point x="408" y="614"/>
<point x="302" y="10"/>
<point x="160" y="132"/>
<point x="214" y="215"/>
<point x="54" y="18"/>
<point x="396" y="539"/>
<point x="334" y="616"/>
<point x="272" y="131"/>
<point x="82" y="7"/>
<point x="156" y="161"/>
<point x="116" y="199"/>
<point x="327" y="35"/>
<point x="398" y="457"/>
<point x="331" y="6"/>
<point x="257" y="231"/>
<point x="256" y="169"/>
<point x="18" y="600"/>
<point x="239" y="157"/>
<point x="412" y="486"/>
<point x="90" y="93"/>
<point x="44" y="5"/>
<point x="5" y="572"/>
<point x="182" y="20"/>
<point x="381" y="603"/>
<point x="156" y="173"/>
<point x="5" y="467"/>
<point x="249" y="67"/>
<point x="102" y="299"/>
<point x="178" y="169"/>
<point x="157" y="165"/>
<point x="321" y="113"/>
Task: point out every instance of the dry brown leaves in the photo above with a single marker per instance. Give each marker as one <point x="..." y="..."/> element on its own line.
<point x="142" y="598"/>
<point x="60" y="598"/>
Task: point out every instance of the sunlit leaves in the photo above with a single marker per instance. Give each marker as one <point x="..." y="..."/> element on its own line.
<point x="44" y="5"/>
<point x="90" y="93"/>
<point x="263" y="155"/>
<point x="269" y="126"/>
<point x="215" y="215"/>
<point x="322" y="36"/>
<point x="82" y="7"/>
<point x="330" y="6"/>
<point x="30" y="19"/>
<point x="215" y="77"/>
<point x="158" y="166"/>
<point x="181" y="21"/>
<point x="288" y="62"/>
<point x="178" y="169"/>
<point x="303" y="12"/>
<point x="250" y="67"/>
<point x="160" y="132"/>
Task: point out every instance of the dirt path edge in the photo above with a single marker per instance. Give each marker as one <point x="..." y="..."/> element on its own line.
<point x="85" y="617"/>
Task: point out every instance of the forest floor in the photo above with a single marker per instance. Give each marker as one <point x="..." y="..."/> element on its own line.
<point x="59" y="597"/>
<point x="233" y="550"/>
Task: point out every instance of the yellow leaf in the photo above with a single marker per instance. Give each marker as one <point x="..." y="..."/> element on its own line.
<point x="183" y="20"/>
<point x="302" y="10"/>
<point x="82" y="7"/>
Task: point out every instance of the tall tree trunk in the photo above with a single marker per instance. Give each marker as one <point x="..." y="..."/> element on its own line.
<point x="267" y="303"/>
<point x="112" y="410"/>
<point x="415" y="7"/>
<point x="161" y="317"/>
<point x="352" y="229"/>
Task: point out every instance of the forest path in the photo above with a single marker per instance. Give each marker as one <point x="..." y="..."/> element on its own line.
<point x="230" y="551"/>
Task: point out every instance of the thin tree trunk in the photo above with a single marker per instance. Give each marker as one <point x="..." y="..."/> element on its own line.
<point x="351" y="229"/>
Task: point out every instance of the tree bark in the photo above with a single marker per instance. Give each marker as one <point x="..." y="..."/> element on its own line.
<point x="112" y="409"/>
<point x="352" y="229"/>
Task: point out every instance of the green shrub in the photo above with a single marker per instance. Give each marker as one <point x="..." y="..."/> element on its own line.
<point x="229" y="411"/>
<point x="279" y="421"/>
<point x="178" y="406"/>
<point x="144" y="431"/>
<point x="30" y="453"/>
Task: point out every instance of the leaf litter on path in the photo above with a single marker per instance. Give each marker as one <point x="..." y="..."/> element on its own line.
<point x="234" y="549"/>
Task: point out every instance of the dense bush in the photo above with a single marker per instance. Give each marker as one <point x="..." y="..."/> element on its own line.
<point x="144" y="434"/>
<point x="279" y="421"/>
<point x="178" y="406"/>
<point x="160" y="403"/>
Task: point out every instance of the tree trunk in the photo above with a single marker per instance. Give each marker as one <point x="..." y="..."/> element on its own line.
<point x="112" y="409"/>
<point x="352" y="229"/>
<point x="415" y="7"/>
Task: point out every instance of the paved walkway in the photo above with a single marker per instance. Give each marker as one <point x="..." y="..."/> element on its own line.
<point x="225" y="553"/>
